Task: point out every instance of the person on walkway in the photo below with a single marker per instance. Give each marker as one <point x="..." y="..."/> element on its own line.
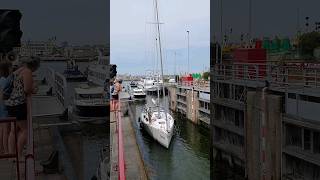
<point x="5" y="71"/>
<point x="116" y="92"/>
<point x="23" y="87"/>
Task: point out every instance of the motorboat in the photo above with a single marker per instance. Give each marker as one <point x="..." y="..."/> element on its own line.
<point x="133" y="84"/>
<point x="72" y="73"/>
<point x="138" y="93"/>
<point x="91" y="101"/>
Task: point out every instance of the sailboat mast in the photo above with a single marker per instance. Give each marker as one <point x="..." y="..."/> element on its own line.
<point x="158" y="79"/>
<point x="160" y="50"/>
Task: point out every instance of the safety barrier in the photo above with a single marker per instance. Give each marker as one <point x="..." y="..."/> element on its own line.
<point x="121" y="158"/>
<point x="30" y="163"/>
<point x="299" y="74"/>
<point x="13" y="121"/>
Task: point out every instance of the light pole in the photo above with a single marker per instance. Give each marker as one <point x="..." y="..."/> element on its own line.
<point x="221" y="31"/>
<point x="175" y="63"/>
<point x="188" y="32"/>
<point x="250" y="20"/>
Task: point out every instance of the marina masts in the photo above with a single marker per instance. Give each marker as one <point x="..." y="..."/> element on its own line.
<point x="160" y="51"/>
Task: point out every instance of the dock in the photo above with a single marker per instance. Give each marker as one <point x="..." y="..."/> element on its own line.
<point x="134" y="166"/>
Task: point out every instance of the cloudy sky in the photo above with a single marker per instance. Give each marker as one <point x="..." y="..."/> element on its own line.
<point x="133" y="37"/>
<point x="75" y="21"/>
<point x="269" y="17"/>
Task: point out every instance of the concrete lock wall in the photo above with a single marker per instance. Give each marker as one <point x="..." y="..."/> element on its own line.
<point x="193" y="105"/>
<point x="255" y="167"/>
<point x="172" y="98"/>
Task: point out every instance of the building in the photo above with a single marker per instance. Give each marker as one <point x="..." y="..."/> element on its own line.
<point x="265" y="118"/>
<point x="37" y="48"/>
<point x="192" y="101"/>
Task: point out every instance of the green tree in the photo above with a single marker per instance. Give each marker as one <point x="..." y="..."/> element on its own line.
<point x="308" y="42"/>
<point x="205" y="75"/>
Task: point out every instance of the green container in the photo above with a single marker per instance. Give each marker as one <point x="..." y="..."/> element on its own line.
<point x="275" y="45"/>
<point x="266" y="44"/>
<point x="285" y="44"/>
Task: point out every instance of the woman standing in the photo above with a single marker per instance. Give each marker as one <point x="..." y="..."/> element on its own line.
<point x="23" y="87"/>
<point x="5" y="71"/>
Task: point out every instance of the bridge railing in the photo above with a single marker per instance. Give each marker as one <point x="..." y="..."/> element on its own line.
<point x="280" y="75"/>
<point x="116" y="108"/>
<point x="30" y="162"/>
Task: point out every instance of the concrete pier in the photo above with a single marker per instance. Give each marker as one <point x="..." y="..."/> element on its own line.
<point x="134" y="165"/>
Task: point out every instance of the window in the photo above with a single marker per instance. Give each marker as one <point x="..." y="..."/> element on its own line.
<point x="292" y="96"/>
<point x="307" y="138"/>
<point x="316" y="142"/>
<point x="310" y="98"/>
<point x="293" y="136"/>
<point x="237" y="118"/>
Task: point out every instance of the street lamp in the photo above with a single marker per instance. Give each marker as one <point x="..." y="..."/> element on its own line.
<point x="307" y="23"/>
<point x="188" y="53"/>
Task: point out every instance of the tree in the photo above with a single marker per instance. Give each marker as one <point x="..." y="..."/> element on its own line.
<point x="206" y="75"/>
<point x="308" y="42"/>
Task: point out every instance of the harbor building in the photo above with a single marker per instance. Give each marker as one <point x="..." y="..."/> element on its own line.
<point x="191" y="100"/>
<point x="264" y="115"/>
<point x="37" y="48"/>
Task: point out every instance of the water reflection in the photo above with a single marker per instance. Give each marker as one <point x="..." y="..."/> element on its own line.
<point x="187" y="156"/>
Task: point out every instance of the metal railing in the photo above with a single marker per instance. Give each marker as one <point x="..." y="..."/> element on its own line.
<point x="280" y="75"/>
<point x="30" y="163"/>
<point x="13" y="121"/>
<point x="121" y="158"/>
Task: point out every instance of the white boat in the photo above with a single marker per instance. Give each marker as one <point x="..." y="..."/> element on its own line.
<point x="156" y="120"/>
<point x="138" y="93"/>
<point x="91" y="101"/>
<point x="148" y="84"/>
<point x="159" y="127"/>
<point x="172" y="81"/>
<point x="158" y="82"/>
<point x="99" y="72"/>
<point x="133" y="84"/>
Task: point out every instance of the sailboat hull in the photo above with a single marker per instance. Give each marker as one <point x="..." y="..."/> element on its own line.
<point x="163" y="137"/>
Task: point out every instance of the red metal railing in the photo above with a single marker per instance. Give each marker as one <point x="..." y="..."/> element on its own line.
<point x="12" y="120"/>
<point x="30" y="163"/>
<point x="121" y="158"/>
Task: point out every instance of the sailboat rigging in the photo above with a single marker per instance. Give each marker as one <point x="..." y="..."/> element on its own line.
<point x="156" y="120"/>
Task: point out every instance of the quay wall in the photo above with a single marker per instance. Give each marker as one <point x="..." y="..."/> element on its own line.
<point x="263" y="142"/>
<point x="190" y="101"/>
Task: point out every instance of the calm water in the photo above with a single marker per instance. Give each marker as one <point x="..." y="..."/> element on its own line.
<point x="90" y="139"/>
<point x="188" y="154"/>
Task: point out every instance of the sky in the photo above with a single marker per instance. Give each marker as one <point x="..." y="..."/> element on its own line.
<point x="133" y="36"/>
<point x="269" y="17"/>
<point x="76" y="21"/>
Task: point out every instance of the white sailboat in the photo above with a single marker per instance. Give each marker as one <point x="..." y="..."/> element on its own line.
<point x="155" y="119"/>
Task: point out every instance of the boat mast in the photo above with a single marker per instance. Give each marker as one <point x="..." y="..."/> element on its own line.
<point x="158" y="80"/>
<point x="161" y="63"/>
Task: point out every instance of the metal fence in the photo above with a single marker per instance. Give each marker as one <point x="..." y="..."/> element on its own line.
<point x="280" y="75"/>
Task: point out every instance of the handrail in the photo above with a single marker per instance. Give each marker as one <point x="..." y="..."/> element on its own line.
<point x="121" y="159"/>
<point x="15" y="155"/>
<point x="30" y="163"/>
<point x="287" y="75"/>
